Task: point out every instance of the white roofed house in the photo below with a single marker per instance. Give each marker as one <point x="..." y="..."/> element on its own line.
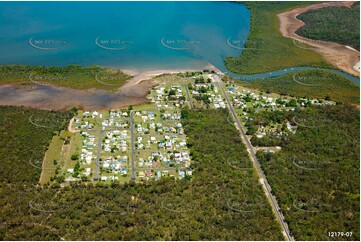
<point x="117" y="167"/>
<point x="91" y="138"/>
<point x="183" y="143"/>
<point x="124" y="134"/>
<point x="181" y="174"/>
<point x="87" y="171"/>
<point x="95" y="114"/>
<point x="88" y="158"/>
<point x="168" y="145"/>
<point x="151" y="115"/>
<point x="152" y="125"/>
<point x="185" y="156"/>
<point x="107" y="148"/>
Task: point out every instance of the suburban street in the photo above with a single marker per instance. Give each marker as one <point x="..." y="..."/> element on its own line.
<point x="163" y="169"/>
<point x="99" y="148"/>
<point x="256" y="163"/>
<point x="152" y="151"/>
<point x="132" y="144"/>
<point x="189" y="97"/>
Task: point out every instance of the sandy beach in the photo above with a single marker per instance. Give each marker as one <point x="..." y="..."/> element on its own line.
<point x="341" y="56"/>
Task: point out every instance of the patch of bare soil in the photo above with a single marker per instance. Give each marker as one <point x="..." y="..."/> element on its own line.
<point x="341" y="56"/>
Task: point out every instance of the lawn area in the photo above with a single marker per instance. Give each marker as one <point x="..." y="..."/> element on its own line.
<point x="51" y="155"/>
<point x="76" y="144"/>
<point x="268" y="49"/>
<point x="144" y="107"/>
<point x="74" y="147"/>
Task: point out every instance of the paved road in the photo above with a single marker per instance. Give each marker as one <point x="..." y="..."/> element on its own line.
<point x="99" y="148"/>
<point x="156" y="151"/>
<point x="98" y="130"/>
<point x="257" y="165"/>
<point x="162" y="169"/>
<point x="189" y="96"/>
<point x="132" y="144"/>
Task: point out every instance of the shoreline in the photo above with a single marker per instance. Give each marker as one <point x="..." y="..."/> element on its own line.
<point x="52" y="97"/>
<point x="340" y="56"/>
<point x="149" y="74"/>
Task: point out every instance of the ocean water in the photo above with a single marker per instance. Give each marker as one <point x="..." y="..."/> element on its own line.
<point x="127" y="35"/>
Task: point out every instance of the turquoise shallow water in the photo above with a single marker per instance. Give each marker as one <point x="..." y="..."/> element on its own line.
<point x="129" y="35"/>
<point x="282" y="72"/>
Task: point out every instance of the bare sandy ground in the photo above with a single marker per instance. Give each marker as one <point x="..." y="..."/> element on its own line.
<point x="343" y="57"/>
<point x="141" y="82"/>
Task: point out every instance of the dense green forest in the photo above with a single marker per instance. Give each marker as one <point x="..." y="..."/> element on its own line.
<point x="72" y="76"/>
<point x="221" y="201"/>
<point x="314" y="84"/>
<point x="316" y="176"/>
<point x="25" y="135"/>
<point x="336" y="24"/>
<point x="266" y="48"/>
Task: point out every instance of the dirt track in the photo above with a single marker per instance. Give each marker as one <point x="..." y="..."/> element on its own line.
<point x="343" y="57"/>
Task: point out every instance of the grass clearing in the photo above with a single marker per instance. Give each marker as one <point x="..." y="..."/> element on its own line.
<point x="51" y="155"/>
